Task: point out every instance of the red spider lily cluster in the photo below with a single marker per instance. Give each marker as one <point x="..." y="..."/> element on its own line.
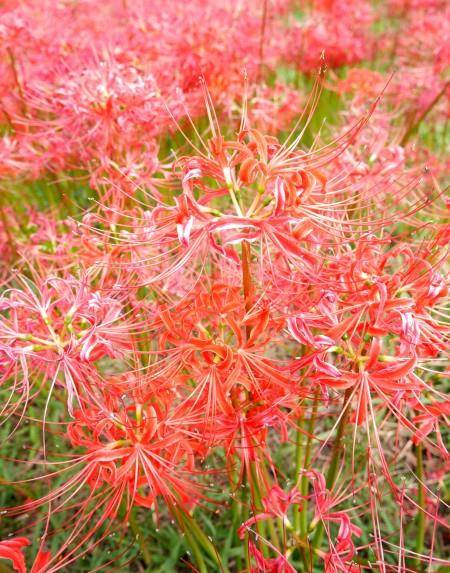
<point x="249" y="320"/>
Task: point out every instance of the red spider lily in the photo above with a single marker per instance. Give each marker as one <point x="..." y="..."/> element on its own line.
<point x="41" y="562"/>
<point x="52" y="329"/>
<point x="429" y="421"/>
<point x="243" y="431"/>
<point x="95" y="93"/>
<point x="273" y="109"/>
<point x="147" y="454"/>
<point x="220" y="356"/>
<point x="275" y="504"/>
<point x="11" y="549"/>
<point x="342" y="32"/>
<point x="252" y="188"/>
<point x="270" y="565"/>
<point x="132" y="456"/>
<point x="342" y="551"/>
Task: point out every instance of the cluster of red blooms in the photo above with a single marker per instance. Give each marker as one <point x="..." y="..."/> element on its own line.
<point x="250" y="324"/>
<point x="79" y="95"/>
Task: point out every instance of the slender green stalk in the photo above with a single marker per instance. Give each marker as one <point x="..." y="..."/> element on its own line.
<point x="300" y="516"/>
<point x="246" y="281"/>
<point x="6" y="227"/>
<point x="247" y="289"/>
<point x="304" y="484"/>
<point x="258" y="506"/>
<point x="299" y="456"/>
<point x="135" y="528"/>
<point x="196" y="552"/>
<point x="17" y="81"/>
<point x="245" y="514"/>
<point x="302" y="460"/>
<point x="190" y="537"/>
<point x="334" y="463"/>
<point x="421" y="515"/>
<point x="236" y="520"/>
<point x="130" y="517"/>
<point x="197" y="539"/>
<point x="415" y="125"/>
<point x="271" y="526"/>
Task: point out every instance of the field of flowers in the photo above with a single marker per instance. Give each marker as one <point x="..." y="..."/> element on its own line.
<point x="224" y="302"/>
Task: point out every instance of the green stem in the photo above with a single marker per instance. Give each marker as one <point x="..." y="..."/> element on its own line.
<point x="135" y="528"/>
<point x="334" y="463"/>
<point x="415" y="125"/>
<point x="304" y="484"/>
<point x="244" y="516"/>
<point x="192" y="542"/>
<point x="247" y="281"/>
<point x="247" y="290"/>
<point x="298" y="465"/>
<point x="421" y="515"/>
<point x="302" y="460"/>
<point x="256" y="498"/>
<point x="196" y="552"/>
<point x="197" y="539"/>
<point x="236" y="520"/>
<point x="271" y="526"/>
<point x="7" y="228"/>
